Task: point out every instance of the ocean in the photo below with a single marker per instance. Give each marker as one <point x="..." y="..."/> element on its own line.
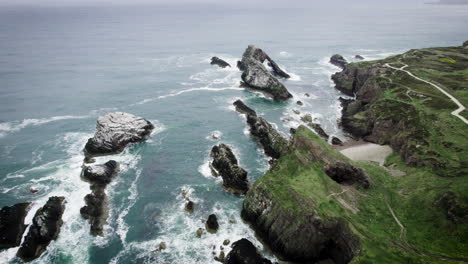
<point x="63" y="67"/>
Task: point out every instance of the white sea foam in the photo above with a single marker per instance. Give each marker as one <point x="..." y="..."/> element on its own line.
<point x="285" y="54"/>
<point x="188" y="91"/>
<point x="214" y="135"/>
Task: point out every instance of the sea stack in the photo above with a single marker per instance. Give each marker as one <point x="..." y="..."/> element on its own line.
<point x="226" y="166"/>
<point x="115" y="131"/>
<point x="12" y="224"/>
<point x="257" y="77"/>
<point x="339" y="61"/>
<point x="221" y="63"/>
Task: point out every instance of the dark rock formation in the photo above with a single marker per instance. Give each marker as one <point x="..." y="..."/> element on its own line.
<point x="345" y="173"/>
<point x="189" y="206"/>
<point x="244" y="252"/>
<point x="243" y="109"/>
<point x="96" y="209"/>
<point x="271" y="140"/>
<point x="361" y="82"/>
<point x="336" y="141"/>
<point x="115" y="131"/>
<point x="12" y="224"/>
<point x="256" y="76"/>
<point x="221" y="63"/>
<point x="359" y="57"/>
<point x="319" y="130"/>
<point x="212" y="225"/>
<point x="339" y="61"/>
<point x="101" y="174"/>
<point x="226" y="165"/>
<point x="453" y="207"/>
<point x="300" y="103"/>
<point x="45" y="227"/>
<point x="298" y="235"/>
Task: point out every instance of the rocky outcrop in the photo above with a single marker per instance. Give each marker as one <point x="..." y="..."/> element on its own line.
<point x="273" y="143"/>
<point x="221" y="63"/>
<point x="212" y="225"/>
<point x="45" y="227"/>
<point x="244" y="252"/>
<point x="243" y="109"/>
<point x="115" y="131"/>
<point x="12" y="224"/>
<point x="318" y="129"/>
<point x="256" y="76"/>
<point x="453" y="207"/>
<point x="298" y="233"/>
<point x="359" y="57"/>
<point x="336" y="141"/>
<point x="345" y="173"/>
<point x="226" y="166"/>
<point x="96" y="209"/>
<point x="339" y="61"/>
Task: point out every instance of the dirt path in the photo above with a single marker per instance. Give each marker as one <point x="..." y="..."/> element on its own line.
<point x="455" y="113"/>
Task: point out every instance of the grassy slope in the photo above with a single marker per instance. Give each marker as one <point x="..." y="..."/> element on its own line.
<point x="412" y="197"/>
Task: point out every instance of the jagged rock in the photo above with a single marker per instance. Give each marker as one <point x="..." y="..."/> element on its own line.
<point x="226" y="242"/>
<point x="336" y="141"/>
<point x="189" y="207"/>
<point x="256" y="76"/>
<point x="299" y="103"/>
<point x="272" y="142"/>
<point x="45" y="227"/>
<point x="318" y="129"/>
<point x="359" y="57"/>
<point x="339" y="61"/>
<point x="212" y="225"/>
<point x="115" y="131"/>
<point x="243" y="109"/>
<point x="221" y="63"/>
<point x="244" y="252"/>
<point x="226" y="165"/>
<point x="345" y="173"/>
<point x="102" y="173"/>
<point x="96" y="209"/>
<point x="12" y="224"/>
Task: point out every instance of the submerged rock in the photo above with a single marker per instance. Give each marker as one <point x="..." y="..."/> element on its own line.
<point x="45" y="227"/>
<point x="244" y="252"/>
<point x="212" y="225"/>
<point x="339" y="61"/>
<point x="226" y="165"/>
<point x="256" y="76"/>
<point x="221" y="63"/>
<point x="345" y="173"/>
<point x="12" y="224"/>
<point x="243" y="109"/>
<point x="115" y="131"/>
<point x="96" y="209"/>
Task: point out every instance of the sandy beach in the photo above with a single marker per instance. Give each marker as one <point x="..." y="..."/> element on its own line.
<point x="361" y="150"/>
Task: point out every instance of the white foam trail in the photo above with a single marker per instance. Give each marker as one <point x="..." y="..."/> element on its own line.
<point x="14" y="126"/>
<point x="285" y="54"/>
<point x="215" y="135"/>
<point x="188" y="91"/>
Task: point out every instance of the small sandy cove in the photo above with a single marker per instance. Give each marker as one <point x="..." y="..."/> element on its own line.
<point x="361" y="150"/>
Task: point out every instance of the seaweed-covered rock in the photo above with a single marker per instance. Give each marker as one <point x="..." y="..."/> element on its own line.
<point x="244" y="252"/>
<point x="339" y="61"/>
<point x="226" y="165"/>
<point x="256" y="76"/>
<point x="345" y="173"/>
<point x="45" y="227"/>
<point x="115" y="131"/>
<point x="212" y="225"/>
<point x="243" y="109"/>
<point x="12" y="224"/>
<point x="221" y="63"/>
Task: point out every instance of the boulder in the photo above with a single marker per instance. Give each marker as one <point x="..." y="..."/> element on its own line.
<point x="12" y="224"/>
<point x="226" y="166"/>
<point x="102" y="173"/>
<point x="244" y="252"/>
<point x="243" y="109"/>
<point x="45" y="227"/>
<point x="115" y="131"/>
<point x="189" y="206"/>
<point x="221" y="63"/>
<point x="212" y="225"/>
<point x="339" y="61"/>
<point x="256" y="76"/>
<point x="345" y="173"/>
<point x="300" y="103"/>
<point x="359" y="57"/>
<point x="336" y="141"/>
